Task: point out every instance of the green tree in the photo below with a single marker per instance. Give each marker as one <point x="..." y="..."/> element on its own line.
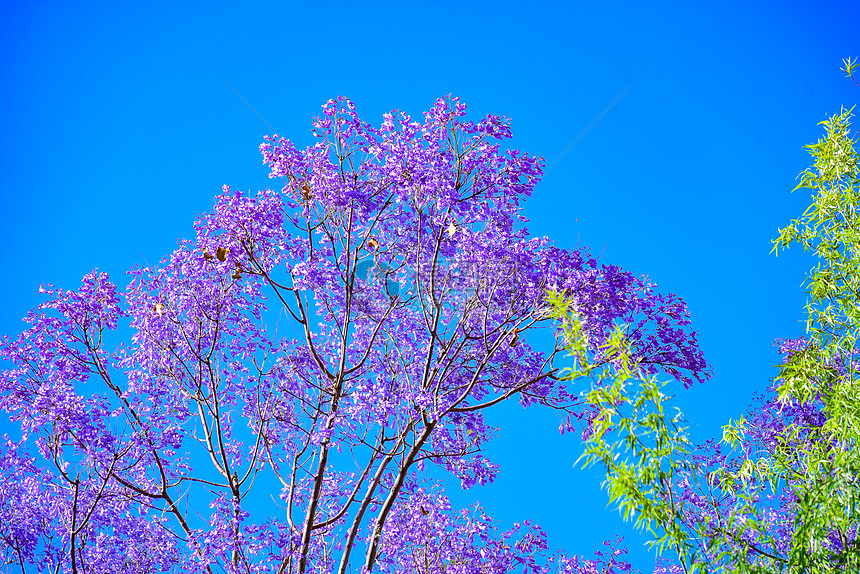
<point x="628" y="417"/>
<point x="780" y="492"/>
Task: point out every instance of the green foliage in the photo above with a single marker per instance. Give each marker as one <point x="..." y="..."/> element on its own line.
<point x="632" y="425"/>
<point x="575" y="341"/>
<point x="850" y="65"/>
<point x="815" y="464"/>
<point x="825" y="370"/>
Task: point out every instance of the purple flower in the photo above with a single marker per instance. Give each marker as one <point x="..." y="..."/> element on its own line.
<point x="325" y="341"/>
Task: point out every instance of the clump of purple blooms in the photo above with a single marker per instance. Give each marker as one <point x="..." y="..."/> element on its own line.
<point x="313" y="349"/>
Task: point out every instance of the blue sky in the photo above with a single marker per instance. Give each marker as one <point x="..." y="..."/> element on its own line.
<point x="118" y="130"/>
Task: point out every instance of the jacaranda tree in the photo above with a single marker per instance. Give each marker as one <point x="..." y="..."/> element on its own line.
<point x="395" y="263"/>
<point x="781" y="492"/>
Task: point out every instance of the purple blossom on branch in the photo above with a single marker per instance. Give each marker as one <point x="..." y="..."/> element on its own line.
<point x="397" y="259"/>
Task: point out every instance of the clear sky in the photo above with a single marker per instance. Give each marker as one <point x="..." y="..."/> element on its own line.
<point x="118" y="130"/>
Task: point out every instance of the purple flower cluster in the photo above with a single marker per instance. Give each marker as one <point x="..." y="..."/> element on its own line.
<point x="749" y="506"/>
<point x="328" y="340"/>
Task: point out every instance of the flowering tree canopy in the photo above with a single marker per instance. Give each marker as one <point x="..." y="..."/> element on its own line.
<point x="396" y="263"/>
